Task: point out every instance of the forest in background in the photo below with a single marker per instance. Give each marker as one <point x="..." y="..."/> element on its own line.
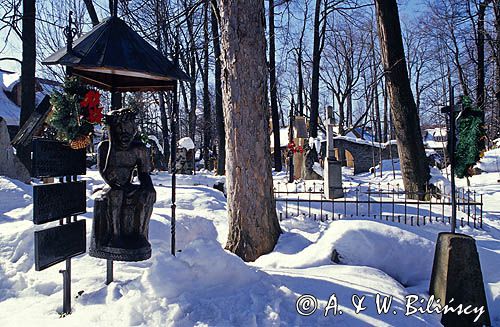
<point x="320" y="53"/>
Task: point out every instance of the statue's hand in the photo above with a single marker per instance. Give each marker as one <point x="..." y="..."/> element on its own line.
<point x="112" y="179"/>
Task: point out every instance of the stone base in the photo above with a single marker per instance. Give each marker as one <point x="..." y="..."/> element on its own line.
<point x="132" y="247"/>
<point x="456" y="274"/>
<point x="120" y="254"/>
<point x="333" y="179"/>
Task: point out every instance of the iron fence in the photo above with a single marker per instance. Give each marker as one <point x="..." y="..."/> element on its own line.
<point x="390" y="203"/>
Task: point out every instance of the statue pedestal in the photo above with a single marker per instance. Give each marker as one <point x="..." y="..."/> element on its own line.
<point x="333" y="179"/>
<point x="456" y="274"/>
<point x="132" y="247"/>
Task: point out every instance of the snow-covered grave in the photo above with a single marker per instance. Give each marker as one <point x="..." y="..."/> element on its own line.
<point x="206" y="285"/>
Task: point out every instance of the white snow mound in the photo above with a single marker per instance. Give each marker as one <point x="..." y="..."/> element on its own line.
<point x="186" y="143"/>
<point x="490" y="163"/>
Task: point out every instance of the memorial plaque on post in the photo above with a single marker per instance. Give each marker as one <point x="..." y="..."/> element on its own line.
<point x="56" y="201"/>
<point x="54" y="245"/>
<point x="53" y="159"/>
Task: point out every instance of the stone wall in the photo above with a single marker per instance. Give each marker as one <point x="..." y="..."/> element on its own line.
<point x="363" y="153"/>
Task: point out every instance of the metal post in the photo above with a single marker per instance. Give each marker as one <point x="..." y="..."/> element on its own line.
<point x="430" y="205"/>
<point x="380" y="199"/>
<point x="452" y="159"/>
<point x="481" y="212"/>
<point x="173" y="149"/>
<point x="357" y="202"/>
<point x="475" y="208"/>
<point x="290" y="153"/>
<point x="369" y="200"/>
<point x="345" y="203"/>
<point x="66" y="273"/>
<point x="109" y="271"/>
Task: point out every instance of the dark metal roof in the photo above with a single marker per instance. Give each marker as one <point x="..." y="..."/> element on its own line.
<point x="114" y="57"/>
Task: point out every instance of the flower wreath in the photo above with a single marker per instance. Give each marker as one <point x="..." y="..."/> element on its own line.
<point x="75" y="112"/>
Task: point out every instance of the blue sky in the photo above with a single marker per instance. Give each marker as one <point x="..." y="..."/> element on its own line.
<point x="407" y="8"/>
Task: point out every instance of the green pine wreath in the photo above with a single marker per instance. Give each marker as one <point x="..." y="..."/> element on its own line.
<point x="471" y="138"/>
<point x="72" y="116"/>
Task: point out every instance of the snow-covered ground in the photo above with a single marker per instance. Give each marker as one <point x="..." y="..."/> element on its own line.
<point x="206" y="285"/>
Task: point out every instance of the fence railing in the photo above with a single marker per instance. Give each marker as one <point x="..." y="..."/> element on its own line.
<point x="390" y="203"/>
<point x="298" y="187"/>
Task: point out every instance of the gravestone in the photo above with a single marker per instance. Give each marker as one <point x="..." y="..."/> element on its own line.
<point x="310" y="163"/>
<point x="457" y="279"/>
<point x="122" y="210"/>
<point x="184" y="163"/>
<point x="332" y="175"/>
<point x="300" y="135"/>
<point x="10" y="165"/>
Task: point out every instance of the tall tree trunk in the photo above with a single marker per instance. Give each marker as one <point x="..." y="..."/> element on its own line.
<point x="92" y="12"/>
<point x="207" y="117"/>
<point x="349" y="95"/>
<point x="316" y="57"/>
<point x="480" y="88"/>
<point x="192" y="84"/>
<point x="274" y="94"/>
<point x="378" y="123"/>
<point x="253" y="224"/>
<point x="386" y="114"/>
<point x="300" y="76"/>
<point x="164" y="128"/>
<point x="28" y="62"/>
<point x="496" y="7"/>
<point x="219" y="113"/>
<point x="28" y="79"/>
<point x="414" y="165"/>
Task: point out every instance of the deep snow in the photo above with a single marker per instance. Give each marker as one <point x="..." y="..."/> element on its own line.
<point x="206" y="285"/>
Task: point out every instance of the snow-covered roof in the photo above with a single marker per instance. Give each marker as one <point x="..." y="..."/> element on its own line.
<point x="8" y="80"/>
<point x="156" y="141"/>
<point x="186" y="143"/>
<point x="8" y="109"/>
<point x="365" y="142"/>
<point x="283" y="137"/>
<point x="435" y="138"/>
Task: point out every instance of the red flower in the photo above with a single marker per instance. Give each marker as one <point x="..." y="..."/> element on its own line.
<point x="91" y="99"/>
<point x="299" y="149"/>
<point x="291" y="145"/>
<point x="95" y="115"/>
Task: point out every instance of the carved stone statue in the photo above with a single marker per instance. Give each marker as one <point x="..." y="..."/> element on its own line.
<point x="123" y="209"/>
<point x="311" y="157"/>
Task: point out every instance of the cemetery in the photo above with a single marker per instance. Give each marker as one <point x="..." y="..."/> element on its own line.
<point x="167" y="170"/>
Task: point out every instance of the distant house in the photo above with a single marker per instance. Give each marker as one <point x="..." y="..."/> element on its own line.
<point x="10" y="97"/>
<point x="435" y="143"/>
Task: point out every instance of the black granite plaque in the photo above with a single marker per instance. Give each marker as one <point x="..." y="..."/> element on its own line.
<point x="53" y="159"/>
<point x="55" y="201"/>
<point x="56" y="244"/>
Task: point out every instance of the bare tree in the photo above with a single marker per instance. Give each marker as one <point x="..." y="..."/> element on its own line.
<point x="219" y="113"/>
<point x="253" y="224"/>
<point x="275" y="117"/>
<point x="414" y="165"/>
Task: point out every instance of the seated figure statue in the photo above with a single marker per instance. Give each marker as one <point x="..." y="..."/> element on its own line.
<point x="123" y="209"/>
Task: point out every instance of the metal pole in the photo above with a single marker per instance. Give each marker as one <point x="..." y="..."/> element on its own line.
<point x="290" y="153"/>
<point x="66" y="287"/>
<point x="173" y="169"/>
<point x="452" y="159"/>
<point x="109" y="271"/>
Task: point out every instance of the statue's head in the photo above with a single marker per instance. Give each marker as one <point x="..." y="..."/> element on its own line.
<point x="122" y="127"/>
